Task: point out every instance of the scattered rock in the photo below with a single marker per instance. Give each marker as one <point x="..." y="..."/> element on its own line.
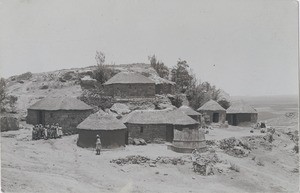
<point x="152" y="165"/>
<point x="156" y="172"/>
<point x="45" y="86"/>
<point x="139" y="141"/>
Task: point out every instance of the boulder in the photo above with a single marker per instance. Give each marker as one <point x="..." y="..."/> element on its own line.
<point x="120" y="108"/>
<point x="9" y="123"/>
<point x="45" y="86"/>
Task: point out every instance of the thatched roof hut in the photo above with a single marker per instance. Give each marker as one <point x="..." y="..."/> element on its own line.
<point x="128" y="78"/>
<point x="68" y="112"/>
<point x="240" y="113"/>
<point x="110" y="129"/>
<point x="173" y="117"/>
<point x="59" y="103"/>
<point x="170" y="125"/>
<point x="190" y="112"/>
<point x="213" y="112"/>
<point x="129" y="85"/>
<point x="211" y="105"/>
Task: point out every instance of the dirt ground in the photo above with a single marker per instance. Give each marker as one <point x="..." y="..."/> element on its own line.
<point x="58" y="165"/>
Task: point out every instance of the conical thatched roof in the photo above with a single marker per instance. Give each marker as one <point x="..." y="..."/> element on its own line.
<point x="60" y="103"/>
<point x="100" y="121"/>
<point x="128" y="78"/>
<point x="188" y="111"/>
<point x="211" y="106"/>
<point x="173" y="117"/>
<point x="240" y="107"/>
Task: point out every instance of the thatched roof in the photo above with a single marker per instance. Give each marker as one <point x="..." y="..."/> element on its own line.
<point x="128" y="78"/>
<point x="60" y="103"/>
<point x="100" y="121"/>
<point x="173" y="117"/>
<point x="188" y="111"/>
<point x="211" y="106"/>
<point x="240" y="107"/>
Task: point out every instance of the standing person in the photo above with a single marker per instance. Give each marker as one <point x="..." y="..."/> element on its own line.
<point x="56" y="130"/>
<point x="34" y="133"/>
<point x="60" y="133"/>
<point x="39" y="131"/>
<point x="45" y="133"/>
<point x="98" y="145"/>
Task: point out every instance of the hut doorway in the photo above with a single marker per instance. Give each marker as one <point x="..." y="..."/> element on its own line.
<point x="41" y="117"/>
<point x="126" y="136"/>
<point x="169" y="133"/>
<point x="216" y="117"/>
<point x="234" y="120"/>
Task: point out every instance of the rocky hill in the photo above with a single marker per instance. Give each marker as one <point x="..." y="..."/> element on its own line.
<point x="31" y="87"/>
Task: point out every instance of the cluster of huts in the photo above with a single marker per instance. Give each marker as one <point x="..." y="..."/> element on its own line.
<point x="179" y="127"/>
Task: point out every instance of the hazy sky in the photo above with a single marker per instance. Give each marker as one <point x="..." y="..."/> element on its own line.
<point x="246" y="47"/>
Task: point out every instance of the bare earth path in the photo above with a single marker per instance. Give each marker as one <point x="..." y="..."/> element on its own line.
<point x="60" y="166"/>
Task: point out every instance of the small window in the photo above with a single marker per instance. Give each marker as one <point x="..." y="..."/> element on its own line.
<point x="141" y="129"/>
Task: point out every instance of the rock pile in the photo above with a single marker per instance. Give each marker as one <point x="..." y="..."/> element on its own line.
<point x="235" y="147"/>
<point x="204" y="163"/>
<point x="137" y="159"/>
<point x="133" y="159"/>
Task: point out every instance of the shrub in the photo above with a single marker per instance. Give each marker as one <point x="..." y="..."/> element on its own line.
<point x="260" y="163"/>
<point x="234" y="167"/>
<point x="102" y="73"/>
<point x="296" y="148"/>
<point x="176" y="101"/>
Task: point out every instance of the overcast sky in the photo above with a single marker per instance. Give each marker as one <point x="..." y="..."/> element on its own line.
<point x="246" y="47"/>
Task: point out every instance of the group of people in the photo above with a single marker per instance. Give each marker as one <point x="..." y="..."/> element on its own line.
<point x="46" y="132"/>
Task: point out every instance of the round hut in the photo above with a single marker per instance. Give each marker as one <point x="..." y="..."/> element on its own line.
<point x="68" y="112"/>
<point x="187" y="135"/>
<point x="240" y="113"/>
<point x="215" y="112"/>
<point x="190" y="112"/>
<point x="110" y="129"/>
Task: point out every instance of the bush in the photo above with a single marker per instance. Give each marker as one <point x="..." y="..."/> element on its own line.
<point x="234" y="167"/>
<point x="176" y="101"/>
<point x="260" y="163"/>
<point x="103" y="73"/>
<point x="296" y="148"/>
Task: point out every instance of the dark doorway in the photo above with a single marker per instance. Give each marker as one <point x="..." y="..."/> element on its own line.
<point x="216" y="117"/>
<point x="234" y="120"/>
<point x="126" y="136"/>
<point x="169" y="133"/>
<point x="41" y="117"/>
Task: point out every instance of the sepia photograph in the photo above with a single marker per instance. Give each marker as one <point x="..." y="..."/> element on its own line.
<point x="149" y="96"/>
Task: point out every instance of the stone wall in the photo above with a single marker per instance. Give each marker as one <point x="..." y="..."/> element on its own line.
<point x="147" y="132"/>
<point x="8" y="123"/>
<point x="32" y="117"/>
<point x="109" y="138"/>
<point x="68" y="120"/>
<point x="222" y="115"/>
<point x="242" y="118"/>
<point x="130" y="90"/>
<point x="164" y="89"/>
